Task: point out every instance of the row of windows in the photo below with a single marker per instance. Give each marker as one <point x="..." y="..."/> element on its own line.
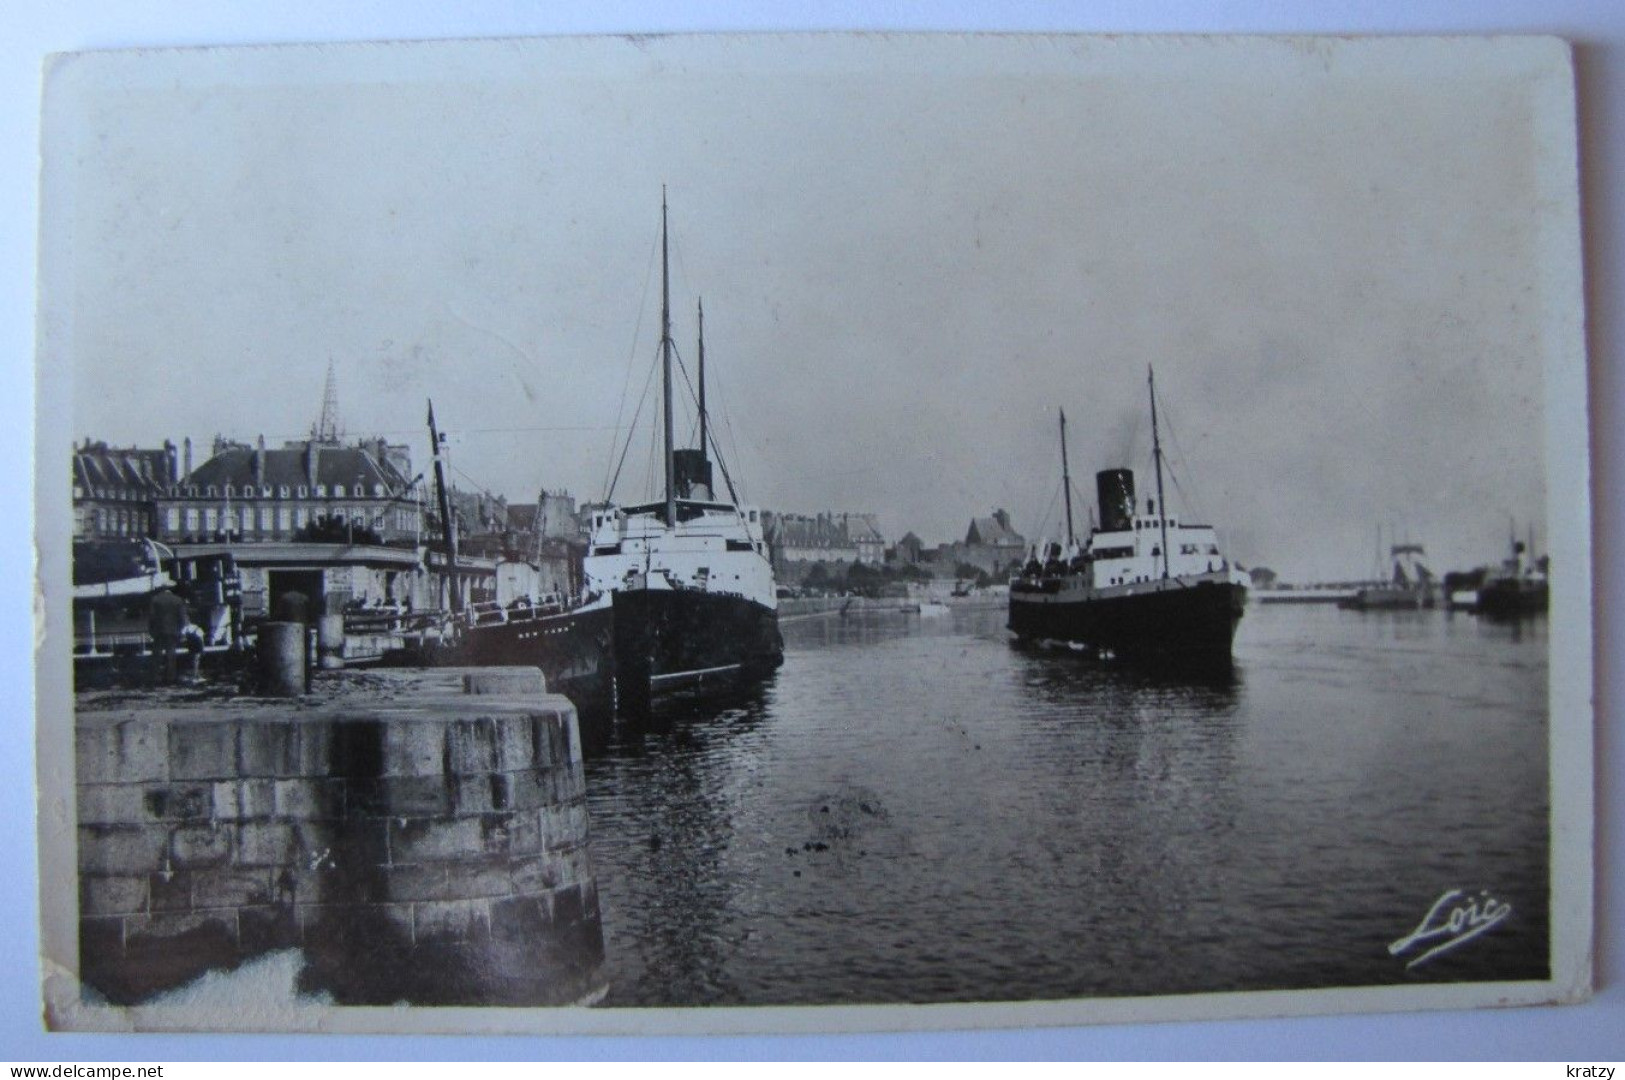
<point x="212" y="519"/>
<point x="117" y="494"/>
<point x="110" y="522"/>
<point x="357" y="490"/>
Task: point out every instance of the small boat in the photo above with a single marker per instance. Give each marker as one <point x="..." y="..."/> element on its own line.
<point x="1144" y="586"/>
<point x="1409" y="584"/>
<point x="1409" y="588"/>
<point x="932" y="609"/>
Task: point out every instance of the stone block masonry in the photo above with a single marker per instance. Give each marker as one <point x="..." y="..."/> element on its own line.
<point x="417" y="842"/>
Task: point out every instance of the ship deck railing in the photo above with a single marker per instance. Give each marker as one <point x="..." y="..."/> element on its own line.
<point x="390" y="621"/>
<point x="491" y="613"/>
<point x="101" y="646"/>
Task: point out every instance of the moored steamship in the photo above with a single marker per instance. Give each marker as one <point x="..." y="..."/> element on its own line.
<point x="1143" y="586"/>
<point x="675" y="593"/>
<point x="689" y="577"/>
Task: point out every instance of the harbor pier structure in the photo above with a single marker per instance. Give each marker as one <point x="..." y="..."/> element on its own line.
<point x="420" y="836"/>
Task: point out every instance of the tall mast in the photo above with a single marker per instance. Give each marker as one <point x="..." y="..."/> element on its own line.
<point x="1156" y="454"/>
<point x="705" y="448"/>
<point x="447" y="526"/>
<point x="1066" y="481"/>
<point x="665" y="356"/>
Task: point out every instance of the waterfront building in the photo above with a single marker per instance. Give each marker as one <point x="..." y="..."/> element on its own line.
<point x="863" y="531"/>
<point x="310" y="490"/>
<point x="823" y="538"/>
<point x="115" y="489"/>
<point x="991" y="545"/>
<point x="477" y="513"/>
<point x="552" y="517"/>
<point x="546" y="535"/>
<point x="910" y="550"/>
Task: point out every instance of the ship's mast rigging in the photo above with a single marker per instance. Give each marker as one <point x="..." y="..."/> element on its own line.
<point x="447" y="526"/>
<point x="1066" y="483"/>
<point x="704" y="448"/>
<point x="665" y="364"/>
<point x="1156" y="456"/>
<point x="672" y="365"/>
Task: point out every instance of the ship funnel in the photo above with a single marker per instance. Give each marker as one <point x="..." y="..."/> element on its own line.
<point x="693" y="474"/>
<point x="1115" y="489"/>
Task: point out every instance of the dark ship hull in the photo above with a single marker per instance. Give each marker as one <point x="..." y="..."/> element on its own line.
<point x="1181" y="623"/>
<point x="666" y="639"/>
<point x="574" y="649"/>
<point x="1512" y="598"/>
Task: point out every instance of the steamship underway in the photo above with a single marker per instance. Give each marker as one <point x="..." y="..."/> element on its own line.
<point x="1143" y="586"/>
<point x="675" y="592"/>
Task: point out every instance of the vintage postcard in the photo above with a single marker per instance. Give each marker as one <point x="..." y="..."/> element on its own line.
<point x="811" y="533"/>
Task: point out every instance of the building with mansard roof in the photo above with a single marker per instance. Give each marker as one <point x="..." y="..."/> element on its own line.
<point x="343" y="524"/>
<point x="863" y="530"/>
<point x="827" y="537"/>
<point x="115" y="489"/>
<point x="251" y="494"/>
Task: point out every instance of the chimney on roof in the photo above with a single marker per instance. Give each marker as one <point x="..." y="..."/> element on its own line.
<point x="259" y="462"/>
<point x="312" y="454"/>
<point x="1002" y="516"/>
<point x="169" y="460"/>
<point x="187" y="443"/>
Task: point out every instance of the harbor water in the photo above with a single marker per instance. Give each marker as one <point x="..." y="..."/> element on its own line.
<point x="917" y="810"/>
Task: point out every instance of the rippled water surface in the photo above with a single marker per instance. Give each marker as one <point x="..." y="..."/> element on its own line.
<point x="915" y="810"/>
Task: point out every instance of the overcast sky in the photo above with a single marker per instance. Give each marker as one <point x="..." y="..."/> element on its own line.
<point x="911" y="254"/>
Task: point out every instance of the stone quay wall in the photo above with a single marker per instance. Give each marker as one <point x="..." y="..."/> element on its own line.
<point x="416" y="842"/>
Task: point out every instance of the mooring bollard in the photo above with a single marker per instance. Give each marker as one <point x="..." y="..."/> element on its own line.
<point x="330" y="642"/>
<point x="282" y="658"/>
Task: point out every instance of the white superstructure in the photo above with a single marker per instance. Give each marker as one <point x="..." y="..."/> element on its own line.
<point x="714" y="548"/>
<point x="1133" y="555"/>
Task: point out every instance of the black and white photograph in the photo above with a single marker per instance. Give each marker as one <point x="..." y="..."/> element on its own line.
<point x="634" y="534"/>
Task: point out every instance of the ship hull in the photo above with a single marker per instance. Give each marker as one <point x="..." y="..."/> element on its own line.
<point x="667" y="639"/>
<point x="574" y="650"/>
<point x="1175" y="622"/>
<point x="1512" y="599"/>
<point x="1389" y="599"/>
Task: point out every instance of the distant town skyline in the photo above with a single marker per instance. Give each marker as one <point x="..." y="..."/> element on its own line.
<point x="910" y="260"/>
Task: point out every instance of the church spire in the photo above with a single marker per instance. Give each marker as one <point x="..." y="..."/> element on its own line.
<point x="327" y="428"/>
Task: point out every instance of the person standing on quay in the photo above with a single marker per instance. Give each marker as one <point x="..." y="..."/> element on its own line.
<point x="166" y="619"/>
